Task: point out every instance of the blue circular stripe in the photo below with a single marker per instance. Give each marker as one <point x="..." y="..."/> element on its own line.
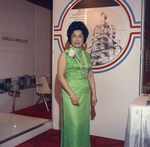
<point x="122" y="58"/>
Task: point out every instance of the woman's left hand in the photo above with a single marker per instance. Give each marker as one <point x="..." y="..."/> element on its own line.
<point x="94" y="100"/>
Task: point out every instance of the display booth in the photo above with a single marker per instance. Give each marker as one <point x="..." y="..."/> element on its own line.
<point x="115" y="44"/>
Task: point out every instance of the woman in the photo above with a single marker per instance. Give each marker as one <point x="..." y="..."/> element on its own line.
<point x="76" y="76"/>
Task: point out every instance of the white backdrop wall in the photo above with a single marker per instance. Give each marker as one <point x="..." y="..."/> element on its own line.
<point x="21" y="18"/>
<point x="117" y="85"/>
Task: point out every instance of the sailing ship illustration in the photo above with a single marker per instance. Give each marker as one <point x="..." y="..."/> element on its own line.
<point x="104" y="46"/>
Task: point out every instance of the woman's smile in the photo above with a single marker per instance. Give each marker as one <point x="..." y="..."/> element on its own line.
<point x="77" y="43"/>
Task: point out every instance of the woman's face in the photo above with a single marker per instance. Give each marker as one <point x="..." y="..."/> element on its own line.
<point x="77" y="39"/>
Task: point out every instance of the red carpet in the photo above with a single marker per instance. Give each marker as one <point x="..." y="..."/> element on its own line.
<point x="36" y="111"/>
<point x="51" y="138"/>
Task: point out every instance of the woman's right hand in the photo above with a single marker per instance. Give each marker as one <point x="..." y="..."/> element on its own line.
<point x="75" y="100"/>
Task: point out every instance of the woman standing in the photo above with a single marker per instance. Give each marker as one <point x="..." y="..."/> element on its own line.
<point x="76" y="76"/>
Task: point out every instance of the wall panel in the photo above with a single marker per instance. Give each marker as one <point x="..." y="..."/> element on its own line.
<point x="117" y="75"/>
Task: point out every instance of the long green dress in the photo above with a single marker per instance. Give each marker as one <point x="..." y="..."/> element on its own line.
<point x="75" y="120"/>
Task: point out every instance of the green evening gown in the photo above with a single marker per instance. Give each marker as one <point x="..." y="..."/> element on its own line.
<point x="75" y="120"/>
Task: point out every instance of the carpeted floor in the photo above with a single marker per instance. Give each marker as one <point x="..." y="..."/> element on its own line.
<point x="38" y="110"/>
<point x="51" y="138"/>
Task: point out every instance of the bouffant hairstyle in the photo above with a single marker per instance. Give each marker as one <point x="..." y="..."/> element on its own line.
<point x="77" y="25"/>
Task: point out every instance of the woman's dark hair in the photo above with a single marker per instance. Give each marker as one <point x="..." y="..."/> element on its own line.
<point x="77" y="25"/>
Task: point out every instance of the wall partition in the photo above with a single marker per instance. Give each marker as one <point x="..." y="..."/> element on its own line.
<point x="16" y="57"/>
<point x="25" y="47"/>
<point x="114" y="44"/>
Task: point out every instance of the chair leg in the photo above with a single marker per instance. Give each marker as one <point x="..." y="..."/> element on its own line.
<point x="42" y="97"/>
<point x="14" y="99"/>
<point x="38" y="100"/>
<point x="45" y="103"/>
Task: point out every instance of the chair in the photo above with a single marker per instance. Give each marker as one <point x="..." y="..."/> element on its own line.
<point x="42" y="88"/>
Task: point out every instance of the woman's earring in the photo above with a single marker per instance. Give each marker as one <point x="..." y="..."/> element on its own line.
<point x="70" y="45"/>
<point x="83" y="44"/>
